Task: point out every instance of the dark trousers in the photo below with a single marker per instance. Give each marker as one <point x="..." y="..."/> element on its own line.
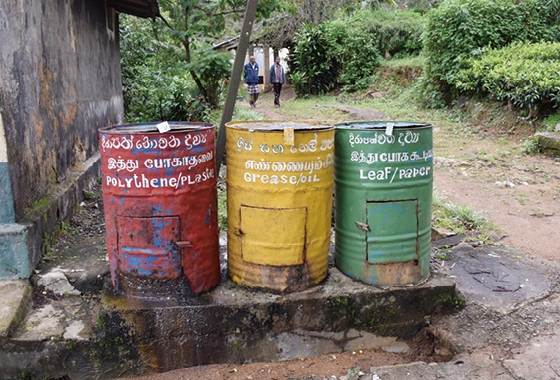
<point x="277" y="88"/>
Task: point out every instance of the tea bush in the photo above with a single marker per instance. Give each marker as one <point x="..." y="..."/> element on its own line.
<point x="313" y="64"/>
<point x="396" y="32"/>
<point x="458" y="30"/>
<point x="525" y="75"/>
<point x="337" y="52"/>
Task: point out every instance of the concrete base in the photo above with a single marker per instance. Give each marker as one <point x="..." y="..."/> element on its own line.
<point x="112" y="337"/>
<point x="14" y="305"/>
<point x="116" y="336"/>
<point x="232" y="324"/>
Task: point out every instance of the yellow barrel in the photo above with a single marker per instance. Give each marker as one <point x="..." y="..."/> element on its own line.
<point x="279" y="187"/>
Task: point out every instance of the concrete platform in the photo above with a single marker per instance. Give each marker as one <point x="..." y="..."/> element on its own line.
<point x="236" y="325"/>
<point x="109" y="336"/>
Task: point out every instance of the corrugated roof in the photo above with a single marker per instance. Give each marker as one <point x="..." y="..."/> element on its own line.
<point x="140" y="8"/>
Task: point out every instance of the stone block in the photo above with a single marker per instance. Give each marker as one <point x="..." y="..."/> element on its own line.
<point x="549" y="143"/>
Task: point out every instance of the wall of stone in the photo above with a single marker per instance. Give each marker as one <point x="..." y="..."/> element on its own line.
<point x="60" y="81"/>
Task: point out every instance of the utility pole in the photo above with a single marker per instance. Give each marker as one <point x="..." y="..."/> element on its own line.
<point x="240" y="54"/>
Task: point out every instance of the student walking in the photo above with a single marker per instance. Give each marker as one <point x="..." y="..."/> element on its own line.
<point x="251" y="77"/>
<point x="277" y="78"/>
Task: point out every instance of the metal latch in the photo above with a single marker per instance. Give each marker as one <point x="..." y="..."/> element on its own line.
<point x="363" y="226"/>
<point x="184" y="244"/>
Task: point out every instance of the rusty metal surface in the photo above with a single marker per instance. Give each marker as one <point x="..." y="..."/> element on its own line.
<point x="406" y="273"/>
<point x="160" y="201"/>
<point x="280" y="179"/>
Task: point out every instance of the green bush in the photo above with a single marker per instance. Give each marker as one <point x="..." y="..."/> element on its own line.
<point x="360" y="58"/>
<point x="331" y="54"/>
<point x="525" y="75"/>
<point x="156" y="84"/>
<point x="155" y="95"/>
<point x="396" y="32"/>
<point x="314" y="66"/>
<point x="213" y="69"/>
<point x="356" y="50"/>
<point x="457" y="30"/>
<point x="531" y="145"/>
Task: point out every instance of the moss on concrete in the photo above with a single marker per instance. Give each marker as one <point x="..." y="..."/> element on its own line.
<point x="549" y="143"/>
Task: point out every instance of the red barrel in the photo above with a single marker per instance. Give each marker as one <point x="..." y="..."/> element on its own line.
<point x="160" y="201"/>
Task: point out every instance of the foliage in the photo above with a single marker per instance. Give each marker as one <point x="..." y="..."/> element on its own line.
<point x="428" y="93"/>
<point x="155" y="95"/>
<point x="550" y="122"/>
<point x="196" y="26"/>
<point x="353" y="374"/>
<point x="214" y="70"/>
<point x="280" y="31"/>
<point x="421" y="6"/>
<point x="354" y="48"/>
<point x="394" y="32"/>
<point x="246" y="114"/>
<point x="335" y="52"/>
<point x="360" y="58"/>
<point x="531" y="145"/>
<point x="313" y="64"/>
<point x="457" y="30"/>
<point x="155" y="84"/>
<point x="222" y="205"/>
<point x="525" y="75"/>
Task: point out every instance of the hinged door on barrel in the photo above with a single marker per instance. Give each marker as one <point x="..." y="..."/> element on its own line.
<point x="160" y="201"/>
<point x="383" y="201"/>
<point x="279" y="183"/>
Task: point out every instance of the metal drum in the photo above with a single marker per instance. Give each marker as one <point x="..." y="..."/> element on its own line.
<point x="279" y="183"/>
<point x="383" y="201"/>
<point x="160" y="203"/>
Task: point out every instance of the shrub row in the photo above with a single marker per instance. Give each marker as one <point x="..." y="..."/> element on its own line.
<point x="525" y="75"/>
<point x="396" y="32"/>
<point x="458" y="30"/>
<point x="345" y="51"/>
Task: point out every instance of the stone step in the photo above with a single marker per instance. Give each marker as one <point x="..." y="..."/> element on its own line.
<point x="14" y="303"/>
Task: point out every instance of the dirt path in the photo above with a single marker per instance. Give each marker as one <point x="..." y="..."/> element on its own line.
<point x="522" y="199"/>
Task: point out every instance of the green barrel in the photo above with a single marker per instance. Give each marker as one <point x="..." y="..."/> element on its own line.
<point x="383" y="201"/>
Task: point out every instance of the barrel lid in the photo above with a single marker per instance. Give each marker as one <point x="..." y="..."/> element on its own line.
<point x="174" y="126"/>
<point x="277" y="125"/>
<point x="382" y="125"/>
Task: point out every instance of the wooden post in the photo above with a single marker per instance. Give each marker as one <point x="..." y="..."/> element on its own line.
<point x="235" y="80"/>
<point x="266" y="55"/>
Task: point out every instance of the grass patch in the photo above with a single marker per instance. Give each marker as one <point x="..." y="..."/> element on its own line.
<point x="222" y="206"/>
<point x="412" y="63"/>
<point x="461" y="220"/>
<point x="243" y="113"/>
<point x="550" y="123"/>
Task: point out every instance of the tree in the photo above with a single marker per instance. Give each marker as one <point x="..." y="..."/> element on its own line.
<point x="197" y="25"/>
<point x="281" y="31"/>
<point x="155" y="84"/>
